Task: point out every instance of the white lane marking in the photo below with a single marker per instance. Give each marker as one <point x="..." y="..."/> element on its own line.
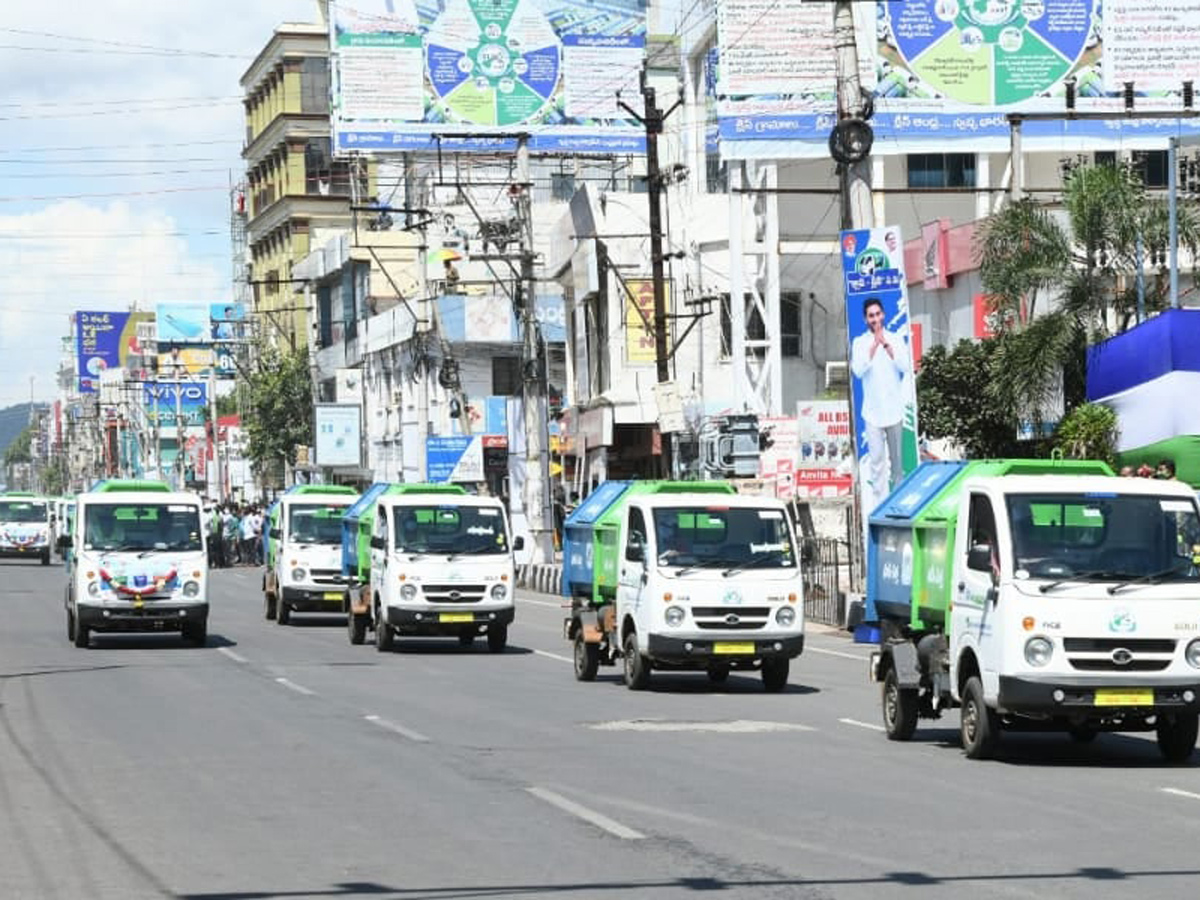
<point x="600" y="820"/>
<point x="388" y="725"/>
<point x="854" y="656"/>
<point x="292" y="686"/>
<point x="544" y="603"/>
<point x="858" y="724"/>
<point x="1178" y="793"/>
<point x="544" y="653"/>
<point x="736" y="726"/>
<point x="235" y="657"/>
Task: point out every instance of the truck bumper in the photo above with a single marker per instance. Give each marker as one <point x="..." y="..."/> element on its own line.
<point x="446" y="621"/>
<point x="26" y="552"/>
<point x="1067" y="696"/>
<point x="317" y="599"/>
<point x="151" y="617"/>
<point x="694" y="651"/>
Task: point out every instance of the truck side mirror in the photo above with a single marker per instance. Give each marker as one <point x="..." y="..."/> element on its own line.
<point x="378" y="543"/>
<point x="979" y="558"/>
<point x="519" y="542"/>
<point x="635" y="550"/>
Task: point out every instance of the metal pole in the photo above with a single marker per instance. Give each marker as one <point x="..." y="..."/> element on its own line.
<point x="1173" y="217"/>
<point x="536" y="499"/>
<point x="421" y="333"/>
<point x="1141" y="280"/>
<point x="178" y="432"/>
<point x="1016" y="159"/>
<point x="216" y="430"/>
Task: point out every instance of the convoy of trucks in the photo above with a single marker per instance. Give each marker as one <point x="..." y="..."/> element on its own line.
<point x="683" y="576"/>
<point x="1037" y="595"/>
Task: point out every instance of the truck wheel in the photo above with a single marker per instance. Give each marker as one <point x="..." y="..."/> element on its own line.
<point x="637" y="667"/>
<point x="718" y="673"/>
<point x="383" y="635"/>
<point x="497" y="637"/>
<point x="70" y="626"/>
<point x="45" y="557"/>
<point x="980" y="725"/>
<point x="899" y="708"/>
<point x="196" y="633"/>
<point x="1177" y="736"/>
<point x="587" y="659"/>
<point x="356" y="625"/>
<point x="283" y="613"/>
<point x="83" y="636"/>
<point x="268" y="605"/>
<point x="775" y="673"/>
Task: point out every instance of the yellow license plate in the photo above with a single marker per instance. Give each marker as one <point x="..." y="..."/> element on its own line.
<point x="1125" y="698"/>
<point x="456" y="617"/>
<point x="333" y="595"/>
<point x="728" y="648"/>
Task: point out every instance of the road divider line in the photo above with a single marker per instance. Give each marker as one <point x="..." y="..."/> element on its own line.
<point x="388" y="725"/>
<point x="590" y="816"/>
<point x="292" y="686"/>
<point x="1178" y="793"/>
<point x="235" y="657"/>
<point x="855" y="656"/>
<point x="549" y="655"/>
<point x="857" y="724"/>
<point x="543" y="603"/>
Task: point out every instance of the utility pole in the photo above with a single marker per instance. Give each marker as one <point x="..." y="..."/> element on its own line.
<point x="652" y="118"/>
<point x="179" y="470"/>
<point x="216" y="429"/>
<point x="421" y="330"/>
<point x="536" y="498"/>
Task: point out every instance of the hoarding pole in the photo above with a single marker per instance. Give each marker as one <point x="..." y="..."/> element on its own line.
<point x="1173" y="218"/>
<point x="857" y="213"/>
<point x="179" y="433"/>
<point x="216" y="430"/>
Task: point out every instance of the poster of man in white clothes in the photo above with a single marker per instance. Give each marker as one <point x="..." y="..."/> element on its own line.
<point x="881" y="368"/>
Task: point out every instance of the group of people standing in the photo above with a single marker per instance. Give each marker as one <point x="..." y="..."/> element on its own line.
<point x="234" y="535"/>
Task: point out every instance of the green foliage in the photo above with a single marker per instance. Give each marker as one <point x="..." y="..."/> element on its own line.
<point x="1089" y="431"/>
<point x="956" y="402"/>
<point x="227" y="405"/>
<point x="55" y="478"/>
<point x="278" y="401"/>
<point x="1022" y="249"/>
<point x="19" y="450"/>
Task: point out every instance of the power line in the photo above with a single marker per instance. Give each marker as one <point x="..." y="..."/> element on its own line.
<point x="107" y="112"/>
<point x="179" y="190"/>
<point x="37" y="104"/>
<point x="118" y="146"/>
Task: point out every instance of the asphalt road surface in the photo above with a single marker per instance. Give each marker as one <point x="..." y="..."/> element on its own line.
<point x="282" y="762"/>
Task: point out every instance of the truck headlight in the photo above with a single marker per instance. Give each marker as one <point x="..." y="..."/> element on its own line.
<point x="408" y="592"/>
<point x="297" y="574"/>
<point x="785" y="616"/>
<point x="499" y="592"/>
<point x="1038" y="651"/>
<point x="191" y="589"/>
<point x="674" y="616"/>
<point x="1192" y="654"/>
<point x="94" y="588"/>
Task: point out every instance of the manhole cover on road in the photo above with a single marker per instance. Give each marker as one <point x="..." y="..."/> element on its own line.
<point x="737" y="726"/>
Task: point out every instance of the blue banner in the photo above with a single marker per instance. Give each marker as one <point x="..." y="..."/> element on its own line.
<point x="164" y="398"/>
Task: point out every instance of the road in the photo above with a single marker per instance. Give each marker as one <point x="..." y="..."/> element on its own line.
<point x="282" y="762"/>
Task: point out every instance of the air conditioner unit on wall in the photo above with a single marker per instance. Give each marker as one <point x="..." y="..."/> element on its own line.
<point x="837" y="374"/>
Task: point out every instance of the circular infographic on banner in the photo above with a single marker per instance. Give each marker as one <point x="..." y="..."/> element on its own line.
<point x="493" y="62"/>
<point x="991" y="52"/>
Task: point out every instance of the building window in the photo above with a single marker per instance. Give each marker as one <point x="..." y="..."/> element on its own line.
<point x="789" y="323"/>
<point x="755" y="328"/>
<point x="314" y="85"/>
<point x="562" y="185"/>
<point x="1152" y="165"/>
<point x="1105" y="157"/>
<point x="639" y="184"/>
<point x="506" y="376"/>
<point x="941" y="170"/>
<point x="716" y="174"/>
<point x="325" y="314"/>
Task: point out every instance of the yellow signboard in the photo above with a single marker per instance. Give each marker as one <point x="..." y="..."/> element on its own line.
<point x="639" y="321"/>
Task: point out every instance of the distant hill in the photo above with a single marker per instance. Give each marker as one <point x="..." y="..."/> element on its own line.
<point x="13" y="420"/>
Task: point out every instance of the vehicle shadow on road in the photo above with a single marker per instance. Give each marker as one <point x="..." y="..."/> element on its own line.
<point x="698" y="683"/>
<point x="1105" y="751"/>
<point x="415" y="646"/>
<point x="164" y="640"/>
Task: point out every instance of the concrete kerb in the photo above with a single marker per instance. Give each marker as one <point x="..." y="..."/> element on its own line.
<point x="545" y="578"/>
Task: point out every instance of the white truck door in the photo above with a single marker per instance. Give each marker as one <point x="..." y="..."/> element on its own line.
<point x="633" y="569"/>
<point x="379" y="555"/>
<point x="976" y="618"/>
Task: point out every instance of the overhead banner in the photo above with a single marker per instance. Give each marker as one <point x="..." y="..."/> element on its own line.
<point x="405" y="73"/>
<point x="339" y="434"/>
<point x="183" y="323"/>
<point x="165" y="399"/>
<point x="106" y="340"/>
<point x="881" y="375"/>
<point x="953" y="69"/>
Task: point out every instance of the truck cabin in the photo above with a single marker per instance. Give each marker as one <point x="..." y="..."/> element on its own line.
<point x="719" y="536"/>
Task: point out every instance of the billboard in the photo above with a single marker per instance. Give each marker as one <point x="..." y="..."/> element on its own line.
<point x="105" y="340"/>
<point x="403" y="73"/>
<point x="953" y="69"/>
<point x="339" y="434"/>
<point x="183" y="323"/>
<point x="163" y="399"/>
<point x="883" y="393"/>
<point x="228" y="321"/>
<point x="825" y="465"/>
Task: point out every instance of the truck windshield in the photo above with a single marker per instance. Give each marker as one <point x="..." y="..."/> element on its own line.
<point x="722" y="537"/>
<point x="316" y="523"/>
<point x="141" y="526"/>
<point x="1108" y="536"/>
<point x="465" y="530"/>
<point x="22" y="511"/>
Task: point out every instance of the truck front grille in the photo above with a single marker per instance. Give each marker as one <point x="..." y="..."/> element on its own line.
<point x="1119" y="654"/>
<point x="730" y="618"/>
<point x="1107" y="645"/>
<point x="326" y="576"/>
<point x="454" y="593"/>
<point x="1107" y="665"/>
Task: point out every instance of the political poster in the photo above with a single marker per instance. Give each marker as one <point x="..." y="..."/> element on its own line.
<point x="883" y="394"/>
<point x="825" y="467"/>
<point x="951" y="70"/>
<point x="404" y="74"/>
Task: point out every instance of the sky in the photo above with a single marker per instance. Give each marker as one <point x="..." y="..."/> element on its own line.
<point x="123" y="125"/>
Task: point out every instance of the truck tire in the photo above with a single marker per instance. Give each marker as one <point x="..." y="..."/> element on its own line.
<point x="899" y="708"/>
<point x="1177" y="736"/>
<point x="980" y="726"/>
<point x="45" y="557"/>
<point x="356" y="627"/>
<point x="268" y="605"/>
<point x="383" y="635"/>
<point x="637" y="666"/>
<point x="70" y="627"/>
<point x="587" y="659"/>
<point x="497" y="638"/>
<point x="196" y="633"/>
<point x="83" y="636"/>
<point x="283" y="613"/>
<point x="775" y="673"/>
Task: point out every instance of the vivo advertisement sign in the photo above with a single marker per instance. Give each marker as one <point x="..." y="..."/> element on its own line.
<point x="164" y="399"/>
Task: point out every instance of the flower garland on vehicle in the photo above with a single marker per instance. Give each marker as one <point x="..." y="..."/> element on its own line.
<point x="21" y="540"/>
<point x="121" y="583"/>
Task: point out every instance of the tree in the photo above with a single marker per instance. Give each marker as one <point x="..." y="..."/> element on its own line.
<point x="955" y="401"/>
<point x="1089" y="431"/>
<point x="278" y="400"/>
<point x="19" y="451"/>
